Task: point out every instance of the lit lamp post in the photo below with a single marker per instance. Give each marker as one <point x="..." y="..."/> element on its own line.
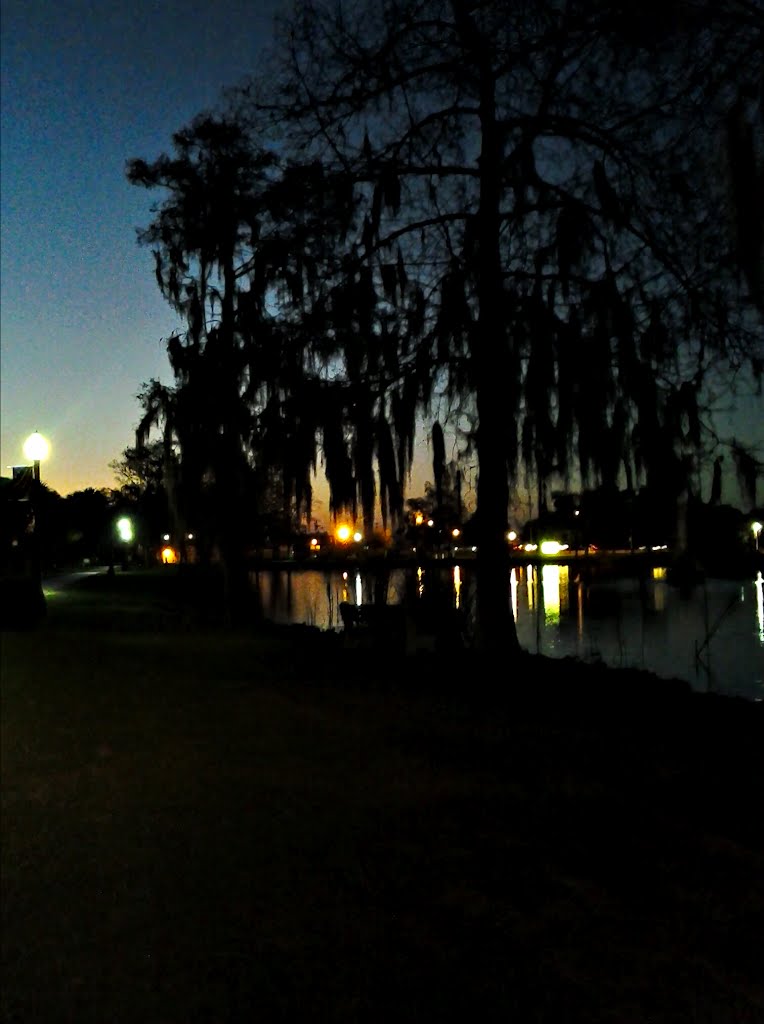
<point x="36" y="449"/>
<point x="124" y="530"/>
<point x="756" y="529"/>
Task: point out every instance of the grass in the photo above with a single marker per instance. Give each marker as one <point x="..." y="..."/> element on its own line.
<point x="210" y="825"/>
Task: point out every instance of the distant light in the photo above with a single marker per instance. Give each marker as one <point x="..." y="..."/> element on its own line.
<point x="343" y="533"/>
<point x="165" y="536"/>
<point x="190" y="536"/>
<point x="552" y="547"/>
<point x="430" y="522"/>
<point x="357" y="537"/>
<point x="419" y="519"/>
<point x="455" y="532"/>
<point x="169" y="556"/>
<point x="511" y="535"/>
<point x="577" y="512"/>
<point x="36" y="448"/>
<point x="125" y="529"/>
<point x="530" y="547"/>
<point x="756" y="528"/>
<point x="313" y="542"/>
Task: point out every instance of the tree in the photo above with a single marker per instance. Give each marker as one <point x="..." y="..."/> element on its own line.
<point x="142" y="473"/>
<point x="235" y="241"/>
<point x="204" y="236"/>
<point x="527" y="228"/>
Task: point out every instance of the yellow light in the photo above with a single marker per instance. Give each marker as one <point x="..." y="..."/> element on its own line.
<point x="430" y="522"/>
<point x="36" y="448"/>
<point x="457" y="585"/>
<point x="169" y="556"/>
<point x="343" y="533"/>
<point x="455" y="532"/>
<point x="419" y="519"/>
<point x="552" y="547"/>
<point x="511" y="535"/>
<point x="357" y="537"/>
<point x="550" y="580"/>
<point x="530" y="547"/>
<point x="313" y="542"/>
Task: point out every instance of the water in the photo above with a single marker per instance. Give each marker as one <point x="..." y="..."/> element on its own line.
<point x="713" y="637"/>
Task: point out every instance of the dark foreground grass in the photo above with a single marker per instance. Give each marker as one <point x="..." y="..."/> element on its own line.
<point x="201" y="825"/>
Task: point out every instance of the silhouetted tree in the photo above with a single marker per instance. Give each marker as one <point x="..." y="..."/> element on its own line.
<point x="531" y="225"/>
<point x="204" y="237"/>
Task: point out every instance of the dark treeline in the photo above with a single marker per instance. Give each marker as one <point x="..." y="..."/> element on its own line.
<point x="540" y="222"/>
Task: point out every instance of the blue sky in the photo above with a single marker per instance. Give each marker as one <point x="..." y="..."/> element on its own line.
<point x="85" y="87"/>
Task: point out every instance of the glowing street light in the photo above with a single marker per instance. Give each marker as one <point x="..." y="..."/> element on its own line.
<point x="36" y="449"/>
<point x="125" y="529"/>
<point x="756" y="529"/>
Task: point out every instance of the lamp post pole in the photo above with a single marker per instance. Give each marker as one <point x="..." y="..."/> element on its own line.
<point x="36" y="448"/>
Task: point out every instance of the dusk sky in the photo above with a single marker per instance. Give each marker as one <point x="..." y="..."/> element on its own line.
<point x="85" y="87"/>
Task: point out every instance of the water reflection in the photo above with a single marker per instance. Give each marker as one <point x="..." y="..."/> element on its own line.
<point x="713" y="638"/>
<point x="457" y="586"/>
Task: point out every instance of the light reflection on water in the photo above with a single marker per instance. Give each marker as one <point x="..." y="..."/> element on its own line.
<point x="713" y="638"/>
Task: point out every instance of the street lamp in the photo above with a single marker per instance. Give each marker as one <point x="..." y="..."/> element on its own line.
<point x="756" y="529"/>
<point x="36" y="449"/>
<point x="125" y="529"/>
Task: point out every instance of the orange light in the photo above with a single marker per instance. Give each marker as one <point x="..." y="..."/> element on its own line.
<point x="343" y="533"/>
<point x="418" y="519"/>
<point x="169" y="556"/>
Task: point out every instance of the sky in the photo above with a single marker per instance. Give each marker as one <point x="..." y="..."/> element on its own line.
<point x="84" y="88"/>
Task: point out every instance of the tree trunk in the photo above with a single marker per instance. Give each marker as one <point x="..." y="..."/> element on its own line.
<point x="496" y="631"/>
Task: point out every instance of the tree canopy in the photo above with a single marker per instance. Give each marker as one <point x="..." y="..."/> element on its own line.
<point x="532" y="214"/>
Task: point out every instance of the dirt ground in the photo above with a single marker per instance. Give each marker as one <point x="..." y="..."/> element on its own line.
<point x="210" y="825"/>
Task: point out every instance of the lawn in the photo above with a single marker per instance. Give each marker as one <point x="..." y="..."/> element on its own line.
<point x="211" y="825"/>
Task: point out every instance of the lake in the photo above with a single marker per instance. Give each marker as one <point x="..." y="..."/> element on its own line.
<point x="712" y="637"/>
